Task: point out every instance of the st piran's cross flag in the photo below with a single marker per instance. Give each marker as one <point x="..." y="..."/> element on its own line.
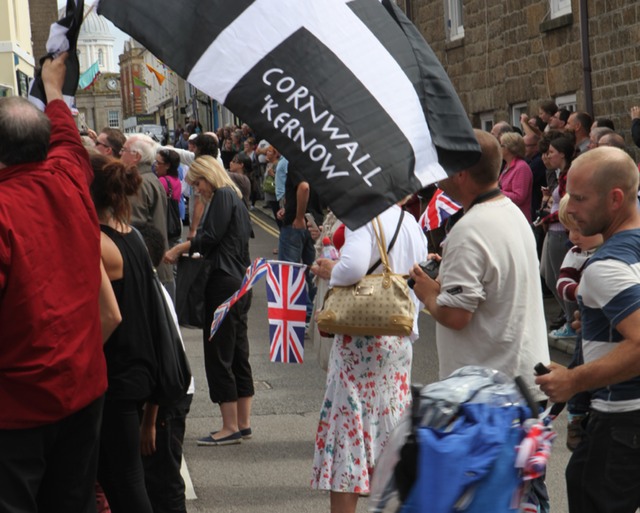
<point x="347" y="90"/>
<point x="63" y="37"/>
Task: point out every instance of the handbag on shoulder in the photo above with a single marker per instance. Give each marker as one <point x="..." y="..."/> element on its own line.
<point x="174" y="223"/>
<point x="379" y="304"/>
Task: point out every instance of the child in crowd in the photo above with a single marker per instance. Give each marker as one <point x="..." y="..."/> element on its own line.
<point x="567" y="285"/>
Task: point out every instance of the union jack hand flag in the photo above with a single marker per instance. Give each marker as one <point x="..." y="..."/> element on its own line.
<point x="439" y="209"/>
<point x="287" y="300"/>
<point x="254" y="273"/>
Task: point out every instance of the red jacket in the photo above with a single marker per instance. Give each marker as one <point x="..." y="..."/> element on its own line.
<point x="51" y="358"/>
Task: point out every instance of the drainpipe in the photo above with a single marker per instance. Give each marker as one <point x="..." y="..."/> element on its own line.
<point x="586" y="57"/>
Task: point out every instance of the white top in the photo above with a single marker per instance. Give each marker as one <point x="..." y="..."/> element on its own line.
<point x="360" y="251"/>
<point x="490" y="267"/>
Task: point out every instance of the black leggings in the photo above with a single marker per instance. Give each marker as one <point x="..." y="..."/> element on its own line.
<point x="120" y="469"/>
<point x="226" y="356"/>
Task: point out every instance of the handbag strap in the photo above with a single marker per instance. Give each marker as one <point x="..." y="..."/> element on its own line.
<point x="393" y="241"/>
<point x="170" y="193"/>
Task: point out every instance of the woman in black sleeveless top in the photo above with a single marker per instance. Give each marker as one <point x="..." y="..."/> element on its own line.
<point x="130" y="354"/>
<point x="223" y="239"/>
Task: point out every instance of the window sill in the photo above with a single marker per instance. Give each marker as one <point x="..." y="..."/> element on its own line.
<point x="555" y="23"/>
<point x="455" y="43"/>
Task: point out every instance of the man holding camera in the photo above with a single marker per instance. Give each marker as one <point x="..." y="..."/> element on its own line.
<point x="487" y="299"/>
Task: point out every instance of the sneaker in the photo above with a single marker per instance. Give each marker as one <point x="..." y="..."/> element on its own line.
<point x="565" y="332"/>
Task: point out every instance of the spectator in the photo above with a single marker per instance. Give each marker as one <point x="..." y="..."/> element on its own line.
<point x="110" y="142"/>
<point x="546" y="111"/>
<point x="559" y="120"/>
<point x="516" y="180"/>
<point x="579" y="124"/>
<point x="595" y="135"/>
<point x="602" y="475"/>
<point x="166" y="166"/>
<point x="603" y="123"/>
<point x="149" y="205"/>
<point x="501" y="127"/>
<point x="223" y="240"/>
<point x="612" y="139"/>
<point x="635" y="125"/>
<point x="487" y="302"/>
<point x="368" y="376"/>
<point x="52" y="301"/>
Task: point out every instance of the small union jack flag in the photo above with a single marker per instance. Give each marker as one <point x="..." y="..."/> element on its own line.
<point x="287" y="300"/>
<point x="439" y="209"/>
<point x="254" y="273"/>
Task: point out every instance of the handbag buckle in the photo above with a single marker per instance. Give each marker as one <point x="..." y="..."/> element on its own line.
<point x="364" y="290"/>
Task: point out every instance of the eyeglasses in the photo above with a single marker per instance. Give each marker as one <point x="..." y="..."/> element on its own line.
<point x="98" y="143"/>
<point x="160" y="163"/>
<point x="128" y="150"/>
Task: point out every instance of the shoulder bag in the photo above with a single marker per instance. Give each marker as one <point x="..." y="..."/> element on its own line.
<point x="174" y="223"/>
<point x="379" y="304"/>
<point x="173" y="370"/>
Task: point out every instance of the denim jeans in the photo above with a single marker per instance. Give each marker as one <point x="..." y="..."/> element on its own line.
<point x="297" y="246"/>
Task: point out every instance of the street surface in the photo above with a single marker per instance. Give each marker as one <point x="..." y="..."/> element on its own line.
<point x="271" y="472"/>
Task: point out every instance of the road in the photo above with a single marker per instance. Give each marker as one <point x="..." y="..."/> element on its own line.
<point x="271" y="472"/>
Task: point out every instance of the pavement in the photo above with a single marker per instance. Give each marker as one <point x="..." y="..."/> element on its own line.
<point x="271" y="472"/>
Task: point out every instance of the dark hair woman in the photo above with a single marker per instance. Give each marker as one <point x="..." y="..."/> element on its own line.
<point x="166" y="167"/>
<point x="559" y="157"/>
<point x="129" y="351"/>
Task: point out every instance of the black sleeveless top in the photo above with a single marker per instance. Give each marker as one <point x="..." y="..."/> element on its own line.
<point x="130" y="353"/>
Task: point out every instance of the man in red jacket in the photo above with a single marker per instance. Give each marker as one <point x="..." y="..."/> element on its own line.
<point x="52" y="367"/>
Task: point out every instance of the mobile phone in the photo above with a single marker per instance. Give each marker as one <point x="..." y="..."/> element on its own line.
<point x="311" y="221"/>
<point x="541" y="369"/>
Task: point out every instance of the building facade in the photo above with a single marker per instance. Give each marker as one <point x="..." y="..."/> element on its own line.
<point x="504" y="57"/>
<point x="16" y="55"/>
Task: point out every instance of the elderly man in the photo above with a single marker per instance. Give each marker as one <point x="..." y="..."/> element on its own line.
<point x="487" y="301"/>
<point x="150" y="204"/>
<point x="52" y="367"/>
<point x="603" y="474"/>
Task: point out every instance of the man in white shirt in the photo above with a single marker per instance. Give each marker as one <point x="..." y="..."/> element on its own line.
<point x="487" y="300"/>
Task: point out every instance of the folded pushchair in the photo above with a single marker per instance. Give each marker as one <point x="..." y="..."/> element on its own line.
<point x="472" y="443"/>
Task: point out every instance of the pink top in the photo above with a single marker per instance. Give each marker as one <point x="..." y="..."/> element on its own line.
<point x="175" y="184"/>
<point x="516" y="183"/>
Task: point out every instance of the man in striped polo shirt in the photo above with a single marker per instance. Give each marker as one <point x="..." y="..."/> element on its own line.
<point x="603" y="474"/>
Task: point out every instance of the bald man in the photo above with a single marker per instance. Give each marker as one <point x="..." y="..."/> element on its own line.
<point x="603" y="474"/>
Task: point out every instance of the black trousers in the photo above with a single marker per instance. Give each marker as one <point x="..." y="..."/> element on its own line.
<point x="164" y="482"/>
<point x="226" y="356"/>
<point x="51" y="468"/>
<point x="603" y="474"/>
<point x="120" y="471"/>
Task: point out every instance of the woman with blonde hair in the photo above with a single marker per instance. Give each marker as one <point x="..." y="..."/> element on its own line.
<point x="223" y="240"/>
<point x="516" y="181"/>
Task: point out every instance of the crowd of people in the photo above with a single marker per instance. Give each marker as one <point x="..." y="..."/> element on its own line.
<point x="551" y="205"/>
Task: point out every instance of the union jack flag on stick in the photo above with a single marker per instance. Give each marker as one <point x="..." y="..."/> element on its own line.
<point x="287" y="300"/>
<point x="439" y="209"/>
<point x="254" y="273"/>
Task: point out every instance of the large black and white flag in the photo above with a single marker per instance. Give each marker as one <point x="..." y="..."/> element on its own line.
<point x="63" y="37"/>
<point x="347" y="90"/>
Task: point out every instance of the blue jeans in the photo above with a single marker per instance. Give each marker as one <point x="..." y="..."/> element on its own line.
<point x="297" y="246"/>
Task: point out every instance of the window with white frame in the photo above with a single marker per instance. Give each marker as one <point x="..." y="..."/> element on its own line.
<point x="516" y="110"/>
<point x="486" y="121"/>
<point x="567" y="101"/>
<point x="454" y="27"/>
<point x="113" y="118"/>
<point x="100" y="57"/>
<point x="559" y="8"/>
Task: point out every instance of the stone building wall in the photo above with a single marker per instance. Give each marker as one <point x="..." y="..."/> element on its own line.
<point x="512" y="52"/>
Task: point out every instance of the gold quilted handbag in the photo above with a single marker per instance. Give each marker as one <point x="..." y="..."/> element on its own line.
<point x="379" y="304"/>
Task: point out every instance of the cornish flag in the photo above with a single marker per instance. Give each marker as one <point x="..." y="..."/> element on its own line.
<point x="63" y="37"/>
<point x="440" y="208"/>
<point x="347" y="90"/>
<point x="253" y="274"/>
<point x="287" y="300"/>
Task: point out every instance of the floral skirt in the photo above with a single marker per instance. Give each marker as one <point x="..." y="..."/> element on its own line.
<point x="368" y="389"/>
